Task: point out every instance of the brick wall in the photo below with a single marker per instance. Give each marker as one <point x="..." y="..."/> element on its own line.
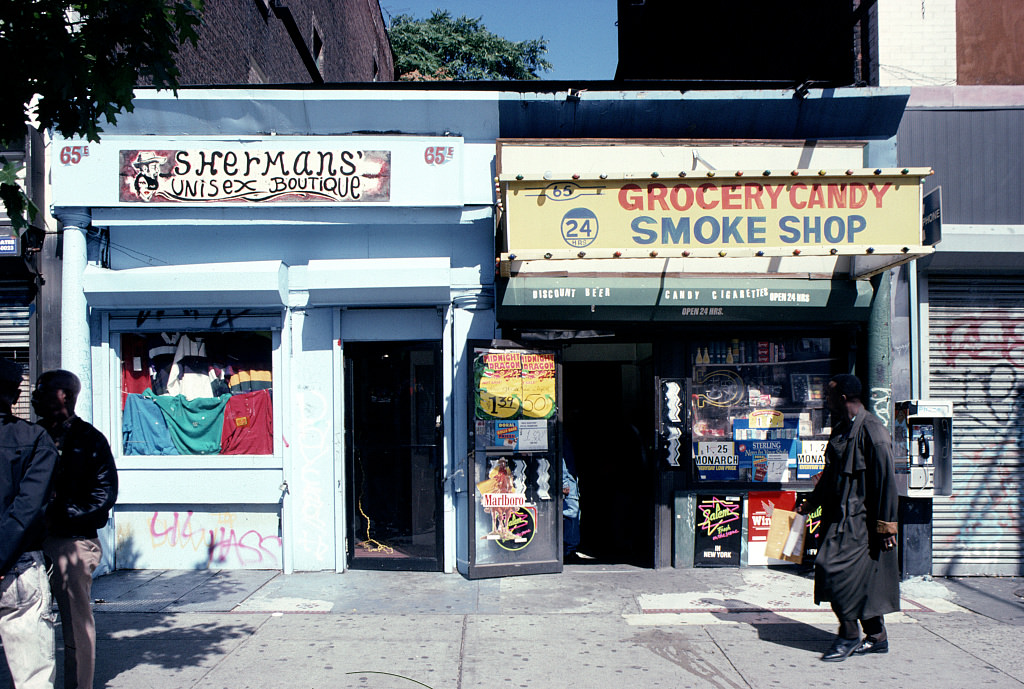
<point x="917" y="42"/>
<point x="990" y="50"/>
<point x="246" y="41"/>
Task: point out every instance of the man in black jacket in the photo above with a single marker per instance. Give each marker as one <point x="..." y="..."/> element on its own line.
<point x="27" y="462"/>
<point x="85" y="488"/>
<point x="856" y="568"/>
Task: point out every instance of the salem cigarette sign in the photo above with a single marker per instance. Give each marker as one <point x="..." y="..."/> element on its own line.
<point x="729" y="212"/>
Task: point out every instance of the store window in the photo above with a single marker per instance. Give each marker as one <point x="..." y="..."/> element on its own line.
<point x="197" y="393"/>
<point x="758" y="408"/>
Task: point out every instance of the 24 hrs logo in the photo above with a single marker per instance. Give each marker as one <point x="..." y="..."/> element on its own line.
<point x="579" y="227"/>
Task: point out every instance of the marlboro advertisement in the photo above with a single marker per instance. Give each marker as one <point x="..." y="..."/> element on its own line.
<point x="717" y="531"/>
<point x="503" y="497"/>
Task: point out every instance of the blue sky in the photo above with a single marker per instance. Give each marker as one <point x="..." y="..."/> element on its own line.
<point x="581" y="34"/>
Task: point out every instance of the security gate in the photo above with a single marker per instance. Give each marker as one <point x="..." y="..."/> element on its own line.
<point x="976" y="359"/>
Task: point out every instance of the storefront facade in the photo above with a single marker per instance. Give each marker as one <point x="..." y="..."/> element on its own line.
<point x="700" y="294"/>
<point x="269" y="325"/>
<point x="298" y="337"/>
<point x="968" y="317"/>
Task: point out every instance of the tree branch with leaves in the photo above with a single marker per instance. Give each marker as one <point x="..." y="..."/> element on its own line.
<point x="70" y="66"/>
<point x="445" y="48"/>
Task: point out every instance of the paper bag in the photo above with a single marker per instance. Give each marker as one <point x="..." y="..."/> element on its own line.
<point x="786" y="536"/>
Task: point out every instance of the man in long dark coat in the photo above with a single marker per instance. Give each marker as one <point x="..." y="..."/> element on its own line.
<point x="856" y="568"/>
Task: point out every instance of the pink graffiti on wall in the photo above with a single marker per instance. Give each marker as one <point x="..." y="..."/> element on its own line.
<point x="222" y="544"/>
<point x="981" y="367"/>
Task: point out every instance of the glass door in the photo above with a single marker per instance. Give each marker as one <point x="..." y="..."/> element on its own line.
<point x="394" y="440"/>
<point x="515" y="524"/>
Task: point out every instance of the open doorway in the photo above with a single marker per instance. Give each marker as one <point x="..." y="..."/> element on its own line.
<point x="393" y="425"/>
<point x="608" y="390"/>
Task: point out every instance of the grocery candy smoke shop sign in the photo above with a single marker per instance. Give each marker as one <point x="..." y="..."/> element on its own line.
<point x="255" y="176"/>
<point x="835" y="210"/>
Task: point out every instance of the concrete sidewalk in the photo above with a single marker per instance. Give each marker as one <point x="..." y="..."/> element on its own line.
<point x="592" y="626"/>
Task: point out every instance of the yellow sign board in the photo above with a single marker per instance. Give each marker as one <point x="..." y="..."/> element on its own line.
<point x="513" y="384"/>
<point x="752" y="212"/>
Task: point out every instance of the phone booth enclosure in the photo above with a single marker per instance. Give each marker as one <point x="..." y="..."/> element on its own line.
<point x="515" y="465"/>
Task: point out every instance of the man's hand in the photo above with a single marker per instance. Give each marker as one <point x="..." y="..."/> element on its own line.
<point x="889" y="542"/>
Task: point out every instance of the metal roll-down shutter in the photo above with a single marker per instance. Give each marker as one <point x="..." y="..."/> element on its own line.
<point x="15" y="310"/>
<point x="976" y="359"/>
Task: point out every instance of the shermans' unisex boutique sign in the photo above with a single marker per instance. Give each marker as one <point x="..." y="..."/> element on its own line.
<point x="255" y="176"/>
<point x="142" y="171"/>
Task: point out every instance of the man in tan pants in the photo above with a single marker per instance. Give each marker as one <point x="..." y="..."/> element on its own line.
<point x="27" y="463"/>
<point x="85" y="488"/>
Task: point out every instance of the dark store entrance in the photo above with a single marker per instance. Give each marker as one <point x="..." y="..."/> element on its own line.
<point x="609" y="416"/>
<point x="394" y="455"/>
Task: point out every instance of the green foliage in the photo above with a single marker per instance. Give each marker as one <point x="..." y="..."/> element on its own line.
<point x="445" y="48"/>
<point x="76" y="62"/>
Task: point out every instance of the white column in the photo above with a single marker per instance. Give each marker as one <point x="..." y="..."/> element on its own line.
<point x="74" y="319"/>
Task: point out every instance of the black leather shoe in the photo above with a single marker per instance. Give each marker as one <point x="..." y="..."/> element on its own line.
<point x="841" y="649"/>
<point x="870" y="645"/>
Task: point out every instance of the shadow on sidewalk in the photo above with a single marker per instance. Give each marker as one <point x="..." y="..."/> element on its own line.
<point x="152" y="624"/>
<point x="773" y="627"/>
<point x="149" y="646"/>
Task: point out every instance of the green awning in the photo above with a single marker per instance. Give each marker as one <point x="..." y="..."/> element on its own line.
<point x="563" y="299"/>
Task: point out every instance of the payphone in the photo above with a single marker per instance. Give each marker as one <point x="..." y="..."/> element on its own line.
<point x="923" y="447"/>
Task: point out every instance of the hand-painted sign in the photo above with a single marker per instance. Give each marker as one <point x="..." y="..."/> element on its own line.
<point x="850" y="210"/>
<point x="513" y="384"/>
<point x="281" y="171"/>
<point x="255" y="176"/>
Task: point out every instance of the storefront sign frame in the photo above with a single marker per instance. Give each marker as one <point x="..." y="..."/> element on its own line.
<point x="280" y="171"/>
<point x="752" y="212"/>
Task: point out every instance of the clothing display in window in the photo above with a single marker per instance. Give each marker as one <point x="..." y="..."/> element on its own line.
<point x="144" y="428"/>
<point x="135" y="373"/>
<point x="195" y="425"/>
<point x="162" y="347"/>
<point x="248" y="424"/>
<point x="250" y="380"/>
<point x="249" y="363"/>
<point x="176" y="386"/>
<point x="189" y="374"/>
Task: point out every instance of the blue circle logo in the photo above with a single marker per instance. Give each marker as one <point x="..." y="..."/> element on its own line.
<point x="579" y="227"/>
